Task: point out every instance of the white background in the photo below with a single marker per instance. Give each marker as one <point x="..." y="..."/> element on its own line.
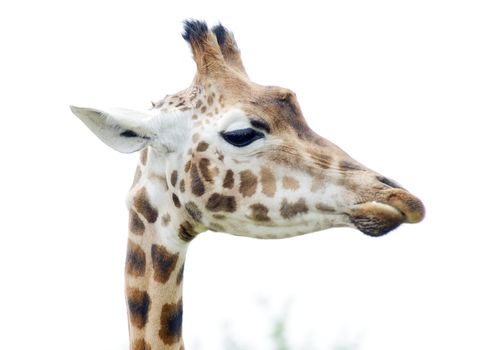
<point x="405" y="87"/>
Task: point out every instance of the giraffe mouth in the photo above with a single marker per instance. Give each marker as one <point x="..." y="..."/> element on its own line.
<point x="390" y="208"/>
<point x="376" y="218"/>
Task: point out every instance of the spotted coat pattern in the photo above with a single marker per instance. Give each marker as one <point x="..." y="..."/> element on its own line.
<point x="289" y="182"/>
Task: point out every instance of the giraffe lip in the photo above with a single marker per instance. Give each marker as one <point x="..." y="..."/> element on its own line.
<point x="380" y="206"/>
<point x="376" y="218"/>
<point x="390" y="208"/>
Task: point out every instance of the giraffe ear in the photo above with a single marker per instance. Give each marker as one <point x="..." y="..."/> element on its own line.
<point x="124" y="130"/>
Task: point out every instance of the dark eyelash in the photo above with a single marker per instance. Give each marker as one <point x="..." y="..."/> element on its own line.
<point x="260" y="124"/>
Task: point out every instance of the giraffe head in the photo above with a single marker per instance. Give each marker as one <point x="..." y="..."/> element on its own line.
<point x="240" y="158"/>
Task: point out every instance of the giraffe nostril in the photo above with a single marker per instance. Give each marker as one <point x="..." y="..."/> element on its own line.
<point x="388" y="182"/>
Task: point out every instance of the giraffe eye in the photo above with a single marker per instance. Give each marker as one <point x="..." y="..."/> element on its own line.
<point x="242" y="137"/>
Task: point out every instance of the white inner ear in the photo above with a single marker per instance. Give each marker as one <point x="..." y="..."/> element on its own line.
<point x="124" y="130"/>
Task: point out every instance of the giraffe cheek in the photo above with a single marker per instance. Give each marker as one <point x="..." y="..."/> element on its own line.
<point x="221" y="203"/>
<point x="290" y="209"/>
<point x="259" y="213"/>
<point x="228" y="180"/>
<point x="196" y="183"/>
<point x="194" y="212"/>
<point x="203" y="175"/>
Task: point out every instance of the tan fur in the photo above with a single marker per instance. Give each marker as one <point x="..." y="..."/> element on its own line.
<point x="205" y="187"/>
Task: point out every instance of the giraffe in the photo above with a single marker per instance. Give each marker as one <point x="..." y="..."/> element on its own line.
<point x="228" y="155"/>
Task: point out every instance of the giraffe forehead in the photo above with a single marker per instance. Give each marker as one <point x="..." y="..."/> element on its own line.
<point x="280" y="110"/>
<point x="239" y="103"/>
<point x="289" y="142"/>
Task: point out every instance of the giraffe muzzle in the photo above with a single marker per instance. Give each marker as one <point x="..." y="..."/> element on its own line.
<point x="410" y="206"/>
<point x="390" y="208"/>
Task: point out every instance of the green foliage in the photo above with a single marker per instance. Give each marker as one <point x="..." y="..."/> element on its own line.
<point x="279" y="334"/>
<point x="279" y="339"/>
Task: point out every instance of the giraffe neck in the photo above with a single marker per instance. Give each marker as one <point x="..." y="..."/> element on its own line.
<point x="158" y="239"/>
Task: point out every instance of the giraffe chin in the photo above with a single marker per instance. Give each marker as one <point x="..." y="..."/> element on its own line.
<point x="375" y="218"/>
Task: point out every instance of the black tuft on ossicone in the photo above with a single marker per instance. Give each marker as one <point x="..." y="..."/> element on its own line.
<point x="220" y="32"/>
<point x="194" y="30"/>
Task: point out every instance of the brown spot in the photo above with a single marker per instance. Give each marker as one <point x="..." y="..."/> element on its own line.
<point x="186" y="231"/>
<point x="136" y="225"/>
<point x="144" y="156"/>
<point x="171" y="323"/>
<point x="259" y="212"/>
<point x="194" y="116"/>
<point x="249" y="182"/>
<point x="182" y="186"/>
<point x="202" y="146"/>
<point x="176" y="200"/>
<point x="197" y="186"/>
<point x="173" y="178"/>
<point x="187" y="166"/>
<point x="218" y="202"/>
<point x="166" y="219"/>
<point x="228" y="181"/>
<point x="193" y="211"/>
<point x="268" y="183"/>
<point x="288" y="210"/>
<point x="290" y="183"/>
<point x="220" y="155"/>
<point x="135" y="262"/>
<point x="325" y="208"/>
<point x="210" y="100"/>
<point x="219" y="216"/>
<point x="195" y="137"/>
<point x="204" y="164"/>
<point x="203" y="109"/>
<point x="138" y="304"/>
<point x="180" y="275"/>
<point x="140" y="344"/>
<point x="164" y="263"/>
<point x="143" y="206"/>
